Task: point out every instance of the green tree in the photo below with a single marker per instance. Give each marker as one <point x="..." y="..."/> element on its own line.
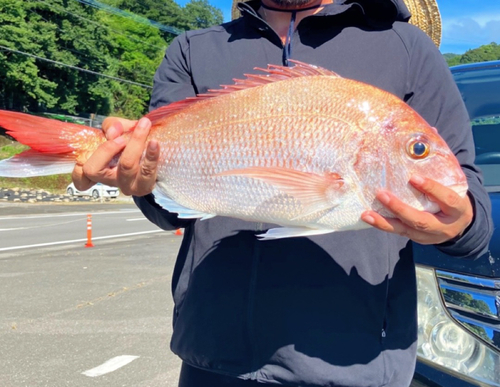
<point x="165" y="12"/>
<point x="138" y="50"/>
<point x="452" y="59"/>
<point x="484" y="53"/>
<point x="22" y="83"/>
<point x="200" y="14"/>
<point x="67" y="57"/>
<point x="42" y="33"/>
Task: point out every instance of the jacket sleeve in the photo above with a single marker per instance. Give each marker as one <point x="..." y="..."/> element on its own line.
<point x="433" y="93"/>
<point x="172" y="82"/>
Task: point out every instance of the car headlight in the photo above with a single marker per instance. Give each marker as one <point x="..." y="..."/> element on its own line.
<point x="445" y="343"/>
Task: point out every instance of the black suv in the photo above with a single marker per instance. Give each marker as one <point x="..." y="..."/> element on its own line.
<point x="459" y="300"/>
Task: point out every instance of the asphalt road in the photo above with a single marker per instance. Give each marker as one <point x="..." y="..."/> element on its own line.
<point x="77" y="316"/>
<point x="69" y="224"/>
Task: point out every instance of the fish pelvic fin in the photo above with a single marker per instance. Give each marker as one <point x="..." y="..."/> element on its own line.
<point x="55" y="145"/>
<point x="316" y="192"/>
<point x="172" y="206"/>
<point x="292" y="232"/>
<point x="273" y="73"/>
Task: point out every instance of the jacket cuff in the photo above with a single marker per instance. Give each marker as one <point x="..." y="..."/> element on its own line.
<point x="473" y="242"/>
<point x="158" y="215"/>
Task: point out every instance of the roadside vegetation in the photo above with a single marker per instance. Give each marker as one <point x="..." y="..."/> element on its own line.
<point x="95" y="58"/>
<point x="85" y="59"/>
<point x="55" y="184"/>
<point x="484" y="53"/>
<point x="89" y="57"/>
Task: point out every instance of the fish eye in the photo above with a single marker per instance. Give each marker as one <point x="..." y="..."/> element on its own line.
<point x="418" y="149"/>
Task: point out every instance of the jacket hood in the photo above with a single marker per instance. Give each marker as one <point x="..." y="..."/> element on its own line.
<point x="376" y="12"/>
<point x="381" y="12"/>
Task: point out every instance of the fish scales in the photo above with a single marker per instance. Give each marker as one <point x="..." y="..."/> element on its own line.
<point x="275" y="127"/>
<point x="301" y="147"/>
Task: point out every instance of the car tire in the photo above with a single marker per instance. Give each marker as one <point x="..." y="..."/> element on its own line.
<point x="70" y="191"/>
<point x="95" y="194"/>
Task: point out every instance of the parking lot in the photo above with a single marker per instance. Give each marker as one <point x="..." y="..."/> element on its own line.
<point x="77" y="316"/>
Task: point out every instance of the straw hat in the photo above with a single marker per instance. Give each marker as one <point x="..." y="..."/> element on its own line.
<point x="425" y="15"/>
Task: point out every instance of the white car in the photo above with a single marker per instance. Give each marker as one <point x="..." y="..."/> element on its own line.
<point x="96" y="191"/>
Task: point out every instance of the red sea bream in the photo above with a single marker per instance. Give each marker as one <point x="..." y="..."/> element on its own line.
<point x="300" y="147"/>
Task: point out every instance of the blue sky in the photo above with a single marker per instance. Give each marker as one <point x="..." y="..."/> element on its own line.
<point x="466" y="23"/>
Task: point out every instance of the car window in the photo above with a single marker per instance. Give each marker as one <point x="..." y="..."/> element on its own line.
<point x="480" y="89"/>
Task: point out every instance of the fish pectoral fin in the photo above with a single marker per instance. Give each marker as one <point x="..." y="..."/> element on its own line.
<point x="172" y="206"/>
<point x="290" y="232"/>
<point x="316" y="192"/>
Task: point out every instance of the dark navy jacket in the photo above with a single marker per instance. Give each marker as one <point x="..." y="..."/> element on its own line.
<point x="331" y="310"/>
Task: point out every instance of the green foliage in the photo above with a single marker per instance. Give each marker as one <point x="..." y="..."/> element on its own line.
<point x="87" y="38"/>
<point x="481" y="54"/>
<point x="452" y="59"/>
<point x="200" y="14"/>
<point x="11" y="149"/>
<point x="54" y="183"/>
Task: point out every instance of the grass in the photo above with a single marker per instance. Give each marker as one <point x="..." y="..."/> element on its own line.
<point x="54" y="183"/>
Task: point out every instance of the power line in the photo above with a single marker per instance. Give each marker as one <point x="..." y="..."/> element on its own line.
<point x="69" y="49"/>
<point x="100" y="25"/>
<point x="76" y="68"/>
<point x="139" y="19"/>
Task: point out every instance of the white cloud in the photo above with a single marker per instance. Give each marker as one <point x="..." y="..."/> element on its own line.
<point x="476" y="29"/>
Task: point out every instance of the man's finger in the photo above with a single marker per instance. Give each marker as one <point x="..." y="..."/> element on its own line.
<point x="81" y="181"/>
<point x="97" y="165"/>
<point x="147" y="174"/>
<point x="129" y="160"/>
<point x="120" y="124"/>
<point x="410" y="216"/>
<point x="396" y="226"/>
<point x="378" y="221"/>
<point x="114" y="131"/>
<point x="450" y="202"/>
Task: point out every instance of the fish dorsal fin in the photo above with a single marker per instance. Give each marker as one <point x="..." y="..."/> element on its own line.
<point x="274" y="73"/>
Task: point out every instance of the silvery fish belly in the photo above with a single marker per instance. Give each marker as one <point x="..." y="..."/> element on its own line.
<point x="300" y="147"/>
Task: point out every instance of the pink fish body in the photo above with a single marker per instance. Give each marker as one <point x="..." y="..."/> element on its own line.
<point x="300" y="147"/>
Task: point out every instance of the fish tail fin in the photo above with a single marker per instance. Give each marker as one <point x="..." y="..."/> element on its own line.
<point x="56" y="146"/>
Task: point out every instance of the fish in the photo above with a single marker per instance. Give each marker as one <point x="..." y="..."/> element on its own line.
<point x="299" y="147"/>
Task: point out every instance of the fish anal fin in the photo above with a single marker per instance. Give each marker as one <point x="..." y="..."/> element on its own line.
<point x="316" y="192"/>
<point x="172" y="206"/>
<point x="31" y="163"/>
<point x="292" y="232"/>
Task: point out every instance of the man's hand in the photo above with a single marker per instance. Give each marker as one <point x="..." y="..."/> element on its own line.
<point x="423" y="227"/>
<point x="132" y="175"/>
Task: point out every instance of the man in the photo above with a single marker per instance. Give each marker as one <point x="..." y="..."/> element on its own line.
<point x="332" y="310"/>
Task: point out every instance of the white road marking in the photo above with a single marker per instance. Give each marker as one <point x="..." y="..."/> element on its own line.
<point x="135" y="219"/>
<point x="78" y="240"/>
<point x="110" y="366"/>
<point x="40" y="226"/>
<point x="10" y="217"/>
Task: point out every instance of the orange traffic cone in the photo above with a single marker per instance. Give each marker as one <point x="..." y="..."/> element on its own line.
<point x="89" y="231"/>
<point x="179" y="232"/>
